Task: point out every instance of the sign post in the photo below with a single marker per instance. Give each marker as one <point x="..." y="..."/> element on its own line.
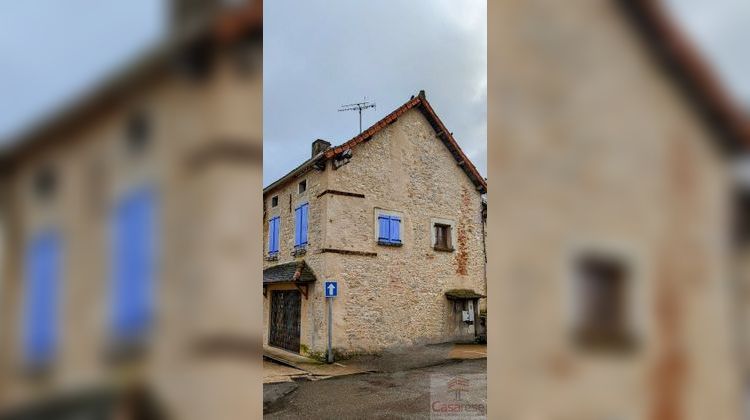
<point x="331" y="291"/>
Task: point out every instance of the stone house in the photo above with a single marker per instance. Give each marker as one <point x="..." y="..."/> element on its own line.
<point x="124" y="251"/>
<point x="613" y="271"/>
<point x="394" y="216"/>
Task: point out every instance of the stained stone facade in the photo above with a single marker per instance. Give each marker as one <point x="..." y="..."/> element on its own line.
<point x="600" y="151"/>
<point x="388" y="295"/>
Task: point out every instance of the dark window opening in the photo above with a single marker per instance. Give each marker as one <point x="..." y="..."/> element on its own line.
<point x="138" y="130"/>
<point x="274" y="201"/>
<point x="45" y="183"/>
<point x="602" y="298"/>
<point x="443" y="240"/>
<point x="303" y="186"/>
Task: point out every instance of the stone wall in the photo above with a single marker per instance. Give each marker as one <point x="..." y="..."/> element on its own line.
<point x="397" y="297"/>
<point x="597" y="150"/>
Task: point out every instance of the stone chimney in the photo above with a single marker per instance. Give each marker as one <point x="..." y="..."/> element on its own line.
<point x="319" y="145"/>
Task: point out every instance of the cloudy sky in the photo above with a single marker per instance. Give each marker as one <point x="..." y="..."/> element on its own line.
<point x="721" y="30"/>
<point x="51" y="51"/>
<point x="318" y="56"/>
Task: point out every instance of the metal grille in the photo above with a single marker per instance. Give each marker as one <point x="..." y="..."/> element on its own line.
<point x="285" y="320"/>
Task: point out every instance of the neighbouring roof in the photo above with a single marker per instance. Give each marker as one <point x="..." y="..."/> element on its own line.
<point x="298" y="272"/>
<point x="458" y="294"/>
<point x="691" y="72"/>
<point x="420" y="103"/>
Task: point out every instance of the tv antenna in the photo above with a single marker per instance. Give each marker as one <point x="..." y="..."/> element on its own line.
<point x="359" y="106"/>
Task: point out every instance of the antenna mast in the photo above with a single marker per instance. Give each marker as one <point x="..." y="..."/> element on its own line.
<point x="359" y="106"/>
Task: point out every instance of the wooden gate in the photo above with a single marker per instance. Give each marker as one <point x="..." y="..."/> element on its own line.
<point x="284" y="320"/>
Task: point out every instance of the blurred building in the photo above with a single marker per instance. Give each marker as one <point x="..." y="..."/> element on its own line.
<point x="613" y="268"/>
<point x="125" y="244"/>
<point x="394" y="216"/>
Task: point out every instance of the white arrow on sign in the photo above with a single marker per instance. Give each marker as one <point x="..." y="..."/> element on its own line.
<point x="331" y="288"/>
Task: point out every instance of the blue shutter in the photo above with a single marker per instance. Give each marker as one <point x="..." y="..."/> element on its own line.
<point x="43" y="266"/>
<point x="395" y="234"/>
<point x="133" y="264"/>
<point x="383" y="228"/>
<point x="303" y="236"/>
<point x="298" y="226"/>
<point x="276" y="232"/>
<point x="273" y="235"/>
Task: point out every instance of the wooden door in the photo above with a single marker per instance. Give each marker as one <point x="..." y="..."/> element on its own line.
<point x="284" y="320"/>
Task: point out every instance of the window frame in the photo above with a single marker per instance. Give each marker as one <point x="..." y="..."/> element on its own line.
<point x="275" y="201"/>
<point x="451" y="224"/>
<point x="302" y="187"/>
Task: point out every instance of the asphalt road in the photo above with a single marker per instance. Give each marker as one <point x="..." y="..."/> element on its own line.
<point x="391" y="395"/>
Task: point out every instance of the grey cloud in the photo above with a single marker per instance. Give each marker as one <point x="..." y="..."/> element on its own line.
<point x="319" y="55"/>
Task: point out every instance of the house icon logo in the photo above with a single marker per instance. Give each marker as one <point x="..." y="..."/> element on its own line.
<point x="458" y="385"/>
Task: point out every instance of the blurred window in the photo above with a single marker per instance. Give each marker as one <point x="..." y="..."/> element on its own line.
<point x="602" y="304"/>
<point x="274" y="201"/>
<point x="303" y="186"/>
<point x="138" y="132"/>
<point x="45" y="183"/>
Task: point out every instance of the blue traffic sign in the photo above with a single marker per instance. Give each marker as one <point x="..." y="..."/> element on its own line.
<point x="332" y="289"/>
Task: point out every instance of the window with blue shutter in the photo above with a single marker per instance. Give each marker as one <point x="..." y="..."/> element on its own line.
<point x="133" y="265"/>
<point x="300" y="225"/>
<point x="389" y="229"/>
<point x="273" y="235"/>
<point x="42" y="277"/>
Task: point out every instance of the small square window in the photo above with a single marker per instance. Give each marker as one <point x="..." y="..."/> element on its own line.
<point x="303" y="186"/>
<point x="443" y="240"/>
<point x="274" y="201"/>
<point x="138" y="132"/>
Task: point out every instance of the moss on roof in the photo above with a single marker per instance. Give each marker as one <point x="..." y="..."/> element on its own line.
<point x="462" y="294"/>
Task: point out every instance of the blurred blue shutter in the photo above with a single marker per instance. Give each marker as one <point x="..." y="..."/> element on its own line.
<point x="395" y="229"/>
<point x="43" y="266"/>
<point x="383" y="229"/>
<point x="133" y="264"/>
